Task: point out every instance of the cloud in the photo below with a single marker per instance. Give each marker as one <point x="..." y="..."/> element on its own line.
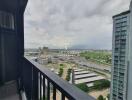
<point x="75" y="23"/>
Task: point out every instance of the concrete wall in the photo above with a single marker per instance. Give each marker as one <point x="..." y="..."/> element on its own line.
<point x="12" y="41"/>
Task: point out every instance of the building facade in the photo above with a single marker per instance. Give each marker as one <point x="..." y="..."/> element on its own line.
<point x="119" y="83"/>
<point x="129" y="91"/>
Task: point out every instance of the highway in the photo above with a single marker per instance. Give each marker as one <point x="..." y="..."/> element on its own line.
<point x="85" y="63"/>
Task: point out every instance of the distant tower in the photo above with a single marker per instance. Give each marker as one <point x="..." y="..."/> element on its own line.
<point x="45" y="51"/>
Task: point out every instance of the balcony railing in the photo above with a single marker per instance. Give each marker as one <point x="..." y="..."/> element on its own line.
<point x="39" y="83"/>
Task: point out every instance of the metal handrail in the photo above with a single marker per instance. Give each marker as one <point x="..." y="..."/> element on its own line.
<point x="68" y="90"/>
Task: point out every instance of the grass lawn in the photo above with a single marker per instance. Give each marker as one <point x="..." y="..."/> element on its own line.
<point x="100" y="57"/>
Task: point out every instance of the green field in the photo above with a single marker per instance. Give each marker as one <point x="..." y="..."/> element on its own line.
<point x="101" y="57"/>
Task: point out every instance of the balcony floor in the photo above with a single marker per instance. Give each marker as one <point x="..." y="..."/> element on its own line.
<point x="9" y="92"/>
<point x="13" y="97"/>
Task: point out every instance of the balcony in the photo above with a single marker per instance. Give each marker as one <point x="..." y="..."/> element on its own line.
<point x="39" y="83"/>
<point x="20" y="77"/>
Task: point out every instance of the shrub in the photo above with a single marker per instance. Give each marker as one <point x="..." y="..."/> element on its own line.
<point x="108" y="96"/>
<point x="100" y="98"/>
<point x="101" y="84"/>
<point x="83" y="87"/>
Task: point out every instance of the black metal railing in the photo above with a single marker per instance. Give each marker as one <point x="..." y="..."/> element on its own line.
<point x="39" y="83"/>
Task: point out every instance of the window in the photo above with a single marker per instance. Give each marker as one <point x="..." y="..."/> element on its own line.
<point x="124" y="23"/>
<point x="6" y="20"/>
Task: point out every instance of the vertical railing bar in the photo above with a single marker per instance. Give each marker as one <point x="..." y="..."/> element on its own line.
<point x="35" y="84"/>
<point x="54" y="92"/>
<point x="38" y="84"/>
<point x="43" y="87"/>
<point x="32" y="88"/>
<point x="48" y="90"/>
<point x="32" y="84"/>
<point x="40" y="76"/>
<point x="62" y="97"/>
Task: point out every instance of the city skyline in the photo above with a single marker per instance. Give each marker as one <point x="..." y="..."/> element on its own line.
<point x="58" y="23"/>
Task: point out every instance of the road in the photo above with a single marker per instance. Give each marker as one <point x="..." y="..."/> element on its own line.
<point x="85" y="63"/>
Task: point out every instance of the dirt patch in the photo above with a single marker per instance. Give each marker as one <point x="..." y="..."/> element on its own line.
<point x="97" y="93"/>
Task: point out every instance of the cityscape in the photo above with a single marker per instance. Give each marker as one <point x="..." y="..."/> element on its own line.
<point x="48" y="50"/>
<point x="89" y="70"/>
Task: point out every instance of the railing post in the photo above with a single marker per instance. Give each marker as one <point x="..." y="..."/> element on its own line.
<point x="54" y="93"/>
<point x="62" y="97"/>
<point x="43" y="87"/>
<point x="27" y="79"/>
<point x="40" y="86"/>
<point x="48" y="90"/>
<point x="35" y="84"/>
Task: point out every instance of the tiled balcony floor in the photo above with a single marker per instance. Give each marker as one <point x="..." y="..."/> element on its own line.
<point x="13" y="97"/>
<point x="9" y="91"/>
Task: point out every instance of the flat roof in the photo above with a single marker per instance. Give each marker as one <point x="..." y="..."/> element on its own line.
<point x="82" y="72"/>
<point x="85" y="75"/>
<point x="123" y="13"/>
<point x="88" y="80"/>
<point x="78" y="70"/>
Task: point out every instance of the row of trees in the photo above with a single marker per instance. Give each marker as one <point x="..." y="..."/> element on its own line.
<point x="68" y="74"/>
<point x="60" y="72"/>
<point x="98" y="85"/>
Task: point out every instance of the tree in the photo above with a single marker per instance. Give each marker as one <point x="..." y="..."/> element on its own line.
<point x="83" y="87"/>
<point x="108" y="96"/>
<point x="100" y="97"/>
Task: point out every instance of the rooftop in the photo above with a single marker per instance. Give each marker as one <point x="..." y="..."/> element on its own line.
<point x="123" y="13"/>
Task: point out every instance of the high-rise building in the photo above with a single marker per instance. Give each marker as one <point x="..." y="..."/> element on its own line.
<point x="129" y="90"/>
<point x="120" y="55"/>
<point x="121" y="84"/>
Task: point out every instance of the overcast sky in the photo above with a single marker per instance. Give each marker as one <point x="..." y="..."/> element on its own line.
<point x="72" y="23"/>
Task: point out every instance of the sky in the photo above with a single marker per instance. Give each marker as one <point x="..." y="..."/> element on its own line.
<point x="78" y="24"/>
